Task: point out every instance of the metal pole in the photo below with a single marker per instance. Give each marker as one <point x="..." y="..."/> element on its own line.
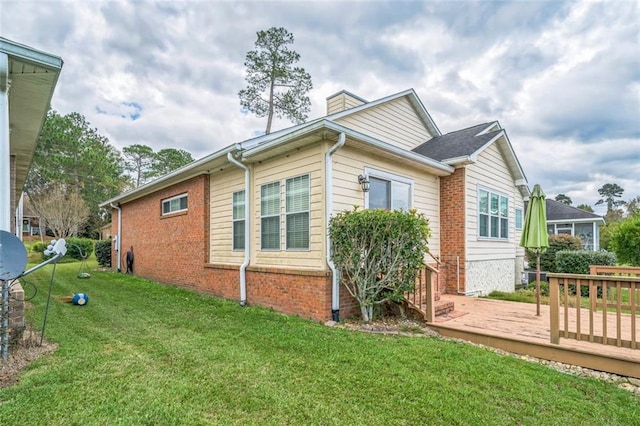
<point x="46" y="310"/>
<point x="538" y="285"/>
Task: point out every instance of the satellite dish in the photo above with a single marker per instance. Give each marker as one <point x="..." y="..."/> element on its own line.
<point x="13" y="256"/>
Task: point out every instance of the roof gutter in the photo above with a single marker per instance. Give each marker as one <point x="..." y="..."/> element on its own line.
<point x="443" y="169"/>
<point x="581" y="220"/>
<point x="158" y="183"/>
<point x="459" y="161"/>
<point x="247" y="232"/>
<point x="328" y="190"/>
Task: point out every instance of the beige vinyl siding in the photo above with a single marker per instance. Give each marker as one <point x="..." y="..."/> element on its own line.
<point x="340" y="102"/>
<point x="348" y="163"/>
<point x="395" y="122"/>
<point x="307" y="161"/>
<point x="222" y="185"/>
<point x="491" y="173"/>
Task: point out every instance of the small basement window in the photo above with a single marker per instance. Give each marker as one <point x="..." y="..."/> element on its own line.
<point x="174" y="204"/>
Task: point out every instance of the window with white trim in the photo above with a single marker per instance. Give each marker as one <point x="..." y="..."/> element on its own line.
<point x="174" y="204"/>
<point x="270" y="216"/>
<point x="388" y="191"/>
<point x="493" y="215"/>
<point x="297" y="212"/>
<point x="239" y="204"/>
<point x="518" y="219"/>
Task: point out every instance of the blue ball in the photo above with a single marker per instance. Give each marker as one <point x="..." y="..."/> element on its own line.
<point x="80" y="299"/>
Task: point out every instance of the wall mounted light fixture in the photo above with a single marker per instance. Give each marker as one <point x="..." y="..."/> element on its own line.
<point x="364" y="183"/>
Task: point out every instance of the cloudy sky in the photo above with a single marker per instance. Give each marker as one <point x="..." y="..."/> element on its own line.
<point x="563" y="78"/>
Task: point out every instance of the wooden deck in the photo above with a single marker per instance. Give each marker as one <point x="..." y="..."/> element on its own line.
<point x="514" y="327"/>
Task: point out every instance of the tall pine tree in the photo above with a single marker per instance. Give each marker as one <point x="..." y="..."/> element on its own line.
<point x="274" y="85"/>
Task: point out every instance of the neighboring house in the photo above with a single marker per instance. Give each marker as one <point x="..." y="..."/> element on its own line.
<point x="564" y="219"/>
<point x="105" y="231"/>
<point x="30" y="219"/>
<point x="27" y="80"/>
<point x="249" y="222"/>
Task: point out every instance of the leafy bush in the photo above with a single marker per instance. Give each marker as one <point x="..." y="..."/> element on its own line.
<point x="38" y="247"/>
<point x="103" y="253"/>
<point x="556" y="244"/>
<point x="578" y="261"/>
<point x="544" y="287"/>
<point x="76" y="247"/>
<point x="379" y="252"/>
<point x="625" y="241"/>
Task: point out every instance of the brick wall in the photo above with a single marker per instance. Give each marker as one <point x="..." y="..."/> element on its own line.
<point x="175" y="250"/>
<point x="170" y="249"/>
<point x="16" y="312"/>
<point x="452" y="231"/>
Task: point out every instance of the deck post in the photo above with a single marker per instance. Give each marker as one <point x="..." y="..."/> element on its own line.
<point x="554" y="309"/>
<point x="431" y="309"/>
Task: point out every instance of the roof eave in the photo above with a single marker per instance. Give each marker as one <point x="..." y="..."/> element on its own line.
<point x="463" y="160"/>
<point x="580" y="220"/>
<point x="31" y="55"/>
<point x="182" y="174"/>
<point x="435" y="167"/>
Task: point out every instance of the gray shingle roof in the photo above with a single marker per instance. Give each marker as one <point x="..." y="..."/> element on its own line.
<point x="560" y="211"/>
<point x="456" y="144"/>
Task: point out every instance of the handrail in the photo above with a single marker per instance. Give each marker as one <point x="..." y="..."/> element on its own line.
<point x="628" y="271"/>
<point x="422" y="298"/>
<point x="605" y="300"/>
<point x="438" y="262"/>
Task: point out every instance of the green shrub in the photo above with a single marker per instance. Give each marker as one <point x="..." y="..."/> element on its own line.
<point x="103" y="253"/>
<point x="544" y="287"/>
<point x="625" y="241"/>
<point x="77" y="247"/>
<point x="578" y="262"/>
<point x="38" y="247"/>
<point x="380" y="253"/>
<point x="556" y="244"/>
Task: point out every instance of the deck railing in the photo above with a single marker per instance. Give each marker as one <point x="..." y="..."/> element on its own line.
<point x="424" y="293"/>
<point x="624" y="271"/>
<point x="608" y="315"/>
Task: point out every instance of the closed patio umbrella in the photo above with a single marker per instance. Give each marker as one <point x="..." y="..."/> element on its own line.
<point x="534" y="232"/>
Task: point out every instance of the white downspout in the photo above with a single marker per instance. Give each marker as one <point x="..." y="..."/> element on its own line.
<point x="328" y="190"/>
<point x="118" y="236"/>
<point x="247" y="232"/>
<point x="20" y="216"/>
<point x="5" y="150"/>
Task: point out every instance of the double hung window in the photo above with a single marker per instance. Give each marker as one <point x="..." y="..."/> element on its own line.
<point x="239" y="204"/>
<point x="297" y="209"/>
<point x="493" y="215"/>
<point x="270" y="216"/>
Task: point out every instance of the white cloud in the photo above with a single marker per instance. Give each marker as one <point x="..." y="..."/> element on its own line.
<point x="562" y="77"/>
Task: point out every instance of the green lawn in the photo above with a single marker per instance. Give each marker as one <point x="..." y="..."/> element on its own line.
<point x="142" y="353"/>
